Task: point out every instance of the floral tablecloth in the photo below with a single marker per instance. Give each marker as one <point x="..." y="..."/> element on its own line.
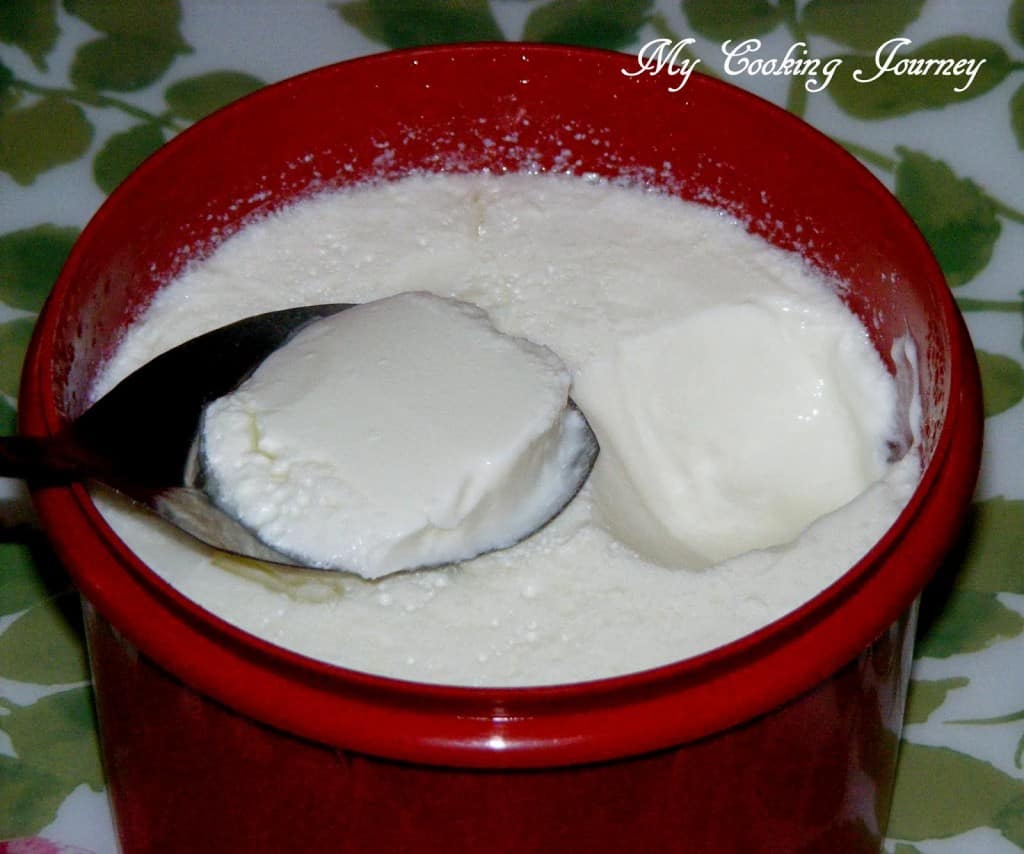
<point x="88" y="88"/>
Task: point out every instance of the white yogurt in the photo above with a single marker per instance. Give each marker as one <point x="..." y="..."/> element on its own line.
<point x="736" y="426"/>
<point x="401" y="433"/>
<point x="622" y="284"/>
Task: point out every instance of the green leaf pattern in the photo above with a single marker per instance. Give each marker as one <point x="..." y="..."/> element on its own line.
<point x="943" y="793"/>
<point x="956" y="216"/>
<point x="1002" y="381"/>
<point x="969" y="622"/>
<point x="14" y="335"/>
<point x="195" y="97"/>
<point x="58" y="122"/>
<point x="860" y="24"/>
<point x="134" y="54"/>
<point x="927" y="695"/>
<point x="720" y="20"/>
<point x="30" y="25"/>
<point x="891" y="95"/>
<point x="8" y="422"/>
<point x="587" y="22"/>
<point x="1017" y="116"/>
<point x="407" y="23"/>
<point x="122" y="152"/>
<point x="57" y="750"/>
<point x="991" y="561"/>
<point x="29" y="262"/>
<point x="1015" y="21"/>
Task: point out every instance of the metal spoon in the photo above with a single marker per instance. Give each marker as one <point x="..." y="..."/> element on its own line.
<point x="140" y="438"/>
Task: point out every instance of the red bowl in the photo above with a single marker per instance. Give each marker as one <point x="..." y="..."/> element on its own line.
<point x="783" y="740"/>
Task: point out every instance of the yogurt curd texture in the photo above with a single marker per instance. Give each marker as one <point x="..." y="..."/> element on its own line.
<point x="400" y="433"/>
<point x="744" y="419"/>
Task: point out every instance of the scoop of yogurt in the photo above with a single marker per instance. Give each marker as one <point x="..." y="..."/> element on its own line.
<point x="735" y="427"/>
<point x="401" y="433"/>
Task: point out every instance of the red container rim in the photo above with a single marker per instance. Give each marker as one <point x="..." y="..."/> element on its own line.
<point x="533" y="726"/>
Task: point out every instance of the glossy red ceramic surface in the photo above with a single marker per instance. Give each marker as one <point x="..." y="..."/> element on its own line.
<point x="188" y="774"/>
<point x="787" y="735"/>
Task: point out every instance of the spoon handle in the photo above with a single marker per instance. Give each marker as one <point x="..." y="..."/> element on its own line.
<point x="38" y="459"/>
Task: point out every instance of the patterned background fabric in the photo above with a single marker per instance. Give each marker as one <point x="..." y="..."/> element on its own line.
<point x="88" y="89"/>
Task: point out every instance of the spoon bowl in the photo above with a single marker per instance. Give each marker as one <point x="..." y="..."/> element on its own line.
<point x="154" y="461"/>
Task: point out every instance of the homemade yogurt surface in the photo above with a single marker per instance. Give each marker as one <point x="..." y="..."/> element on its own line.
<point x="619" y="282"/>
<point x="397" y="434"/>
